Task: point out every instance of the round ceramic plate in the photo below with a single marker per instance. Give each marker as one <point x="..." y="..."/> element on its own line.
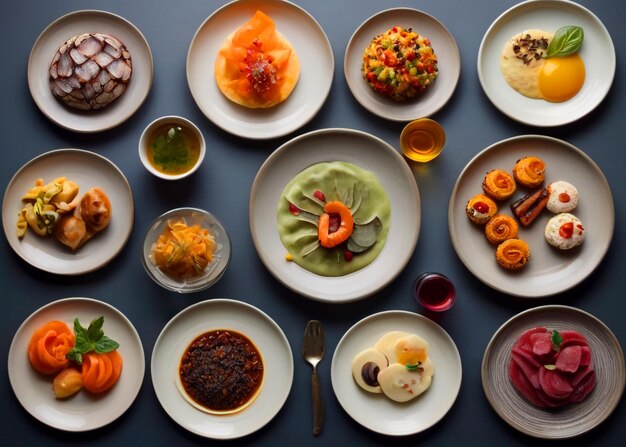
<point x="379" y="413"/>
<point x="597" y="52"/>
<point x="549" y="270"/>
<point x="434" y="97"/>
<point x="83" y="411"/>
<point x="336" y="145"/>
<point x="316" y="73"/>
<point x="205" y="316"/>
<point x="87" y="170"/>
<point x="68" y="26"/>
<point x="576" y="418"/>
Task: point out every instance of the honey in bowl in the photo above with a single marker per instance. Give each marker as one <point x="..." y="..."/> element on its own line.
<point x="173" y="148"/>
<point x="422" y="140"/>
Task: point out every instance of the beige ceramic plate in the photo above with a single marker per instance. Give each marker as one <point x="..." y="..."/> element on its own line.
<point x="214" y="314"/>
<point x="377" y="412"/>
<point x="574" y="419"/>
<point x="336" y="145"/>
<point x="597" y="52"/>
<point x="83" y="411"/>
<point x="87" y="21"/>
<point x="549" y="270"/>
<point x="88" y="170"/>
<point x="317" y="65"/>
<point x="433" y="98"/>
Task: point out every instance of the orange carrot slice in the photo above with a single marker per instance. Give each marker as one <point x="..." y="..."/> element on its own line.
<point x="101" y="371"/>
<point x="346" y="226"/>
<point x="49" y="346"/>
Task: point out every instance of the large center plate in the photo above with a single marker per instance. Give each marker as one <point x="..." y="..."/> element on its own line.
<point x="215" y="314"/>
<point x="365" y="151"/>
<point x="549" y="270"/>
<point x="317" y="65"/>
<point x="377" y="412"/>
<point x="88" y="170"/>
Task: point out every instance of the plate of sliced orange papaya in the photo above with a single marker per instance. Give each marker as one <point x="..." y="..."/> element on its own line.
<point x="76" y="364"/>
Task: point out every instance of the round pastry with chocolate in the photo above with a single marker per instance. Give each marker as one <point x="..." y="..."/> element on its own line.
<point x="500" y="228"/>
<point x="90" y="71"/>
<point x="513" y="254"/>
<point x="480" y="209"/>
<point x="563" y="197"/>
<point x="564" y="231"/>
<point x="499" y="184"/>
<point x="530" y="171"/>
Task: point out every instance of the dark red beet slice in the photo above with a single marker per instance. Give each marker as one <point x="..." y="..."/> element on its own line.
<point x="523" y="341"/>
<point x="585" y="355"/>
<point x="527" y="355"/>
<point x="572" y="338"/>
<point x="530" y="371"/>
<point x="584" y="388"/>
<point x="568" y="359"/>
<point x="541" y="343"/>
<point x="580" y="375"/>
<point x="555" y="384"/>
<point x="551" y="401"/>
<point x="523" y="385"/>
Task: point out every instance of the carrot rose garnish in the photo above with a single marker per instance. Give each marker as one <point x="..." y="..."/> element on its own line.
<point x="49" y="346"/>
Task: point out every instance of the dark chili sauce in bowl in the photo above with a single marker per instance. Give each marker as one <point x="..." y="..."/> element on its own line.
<point x="221" y="371"/>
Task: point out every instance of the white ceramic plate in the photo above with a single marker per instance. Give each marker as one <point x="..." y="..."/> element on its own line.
<point x="574" y="419"/>
<point x="70" y="25"/>
<point x="202" y="317"/>
<point x="549" y="270"/>
<point x="379" y="413"/>
<point x="367" y="152"/>
<point x="434" y="97"/>
<point x="597" y="52"/>
<point x="316" y="74"/>
<point x="83" y="411"/>
<point x="88" y="170"/>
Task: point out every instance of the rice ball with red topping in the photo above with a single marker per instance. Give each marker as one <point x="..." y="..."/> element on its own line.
<point x="563" y="197"/>
<point x="400" y="63"/>
<point x="565" y="231"/>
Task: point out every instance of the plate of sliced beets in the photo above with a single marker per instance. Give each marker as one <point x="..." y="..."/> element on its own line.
<point x="553" y="372"/>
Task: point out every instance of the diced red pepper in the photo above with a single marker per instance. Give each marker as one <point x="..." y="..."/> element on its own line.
<point x="319" y="194"/>
<point x="348" y="255"/>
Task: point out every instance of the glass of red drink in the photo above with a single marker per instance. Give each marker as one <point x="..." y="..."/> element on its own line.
<point x="434" y="291"/>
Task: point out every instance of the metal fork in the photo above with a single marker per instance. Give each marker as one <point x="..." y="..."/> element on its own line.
<point x="313" y="352"/>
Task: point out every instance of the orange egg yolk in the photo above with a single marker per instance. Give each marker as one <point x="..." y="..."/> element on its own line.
<point x="561" y="78"/>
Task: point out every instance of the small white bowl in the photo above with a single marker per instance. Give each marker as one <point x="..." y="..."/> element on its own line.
<point x="143" y="145"/>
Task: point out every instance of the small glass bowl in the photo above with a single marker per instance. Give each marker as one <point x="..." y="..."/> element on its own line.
<point x="215" y="269"/>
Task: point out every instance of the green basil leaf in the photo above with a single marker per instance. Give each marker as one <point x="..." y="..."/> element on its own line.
<point x="94" y="331"/>
<point x="79" y="331"/>
<point x="105" y="344"/>
<point x="556" y="340"/>
<point x="567" y="40"/>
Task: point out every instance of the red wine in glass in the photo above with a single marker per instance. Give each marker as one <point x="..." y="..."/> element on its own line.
<point x="434" y="291"/>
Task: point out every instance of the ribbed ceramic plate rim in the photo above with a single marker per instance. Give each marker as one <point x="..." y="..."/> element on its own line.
<point x="574" y="419"/>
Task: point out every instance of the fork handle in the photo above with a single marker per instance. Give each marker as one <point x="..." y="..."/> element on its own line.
<point x="318" y="407"/>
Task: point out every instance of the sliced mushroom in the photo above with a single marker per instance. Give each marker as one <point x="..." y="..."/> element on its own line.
<point x="365" y="369"/>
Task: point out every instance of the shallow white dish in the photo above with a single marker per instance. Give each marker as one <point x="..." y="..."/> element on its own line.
<point x="597" y="52"/>
<point x="87" y="169"/>
<point x="336" y="145"/>
<point x="83" y="411"/>
<point x="213" y="314"/>
<point x="379" y="413"/>
<point x="434" y="97"/>
<point x="70" y="25"/>
<point x="316" y="73"/>
<point x="549" y="270"/>
<point x="571" y="420"/>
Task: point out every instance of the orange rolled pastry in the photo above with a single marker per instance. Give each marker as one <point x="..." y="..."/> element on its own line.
<point x="513" y="254"/>
<point x="257" y="67"/>
<point x="499" y="184"/>
<point x="500" y="228"/>
<point x="480" y="209"/>
<point x="530" y="171"/>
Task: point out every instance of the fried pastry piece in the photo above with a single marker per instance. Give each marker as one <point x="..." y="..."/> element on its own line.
<point x="530" y="171"/>
<point x="528" y="208"/>
<point x="480" y="209"/>
<point x="500" y="228"/>
<point x="66" y="200"/>
<point x="513" y="254"/>
<point x="70" y="230"/>
<point x="499" y="184"/>
<point x="95" y="209"/>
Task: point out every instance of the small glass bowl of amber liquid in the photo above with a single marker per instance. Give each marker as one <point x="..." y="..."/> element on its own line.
<point x="422" y="140"/>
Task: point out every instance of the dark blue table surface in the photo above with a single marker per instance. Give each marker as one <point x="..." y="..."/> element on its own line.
<point x="222" y="186"/>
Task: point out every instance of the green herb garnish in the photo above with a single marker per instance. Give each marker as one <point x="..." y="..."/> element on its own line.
<point x="410" y="367"/>
<point x="550" y="367"/>
<point x="170" y="150"/>
<point x="567" y="40"/>
<point x="556" y="340"/>
<point x="90" y="339"/>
